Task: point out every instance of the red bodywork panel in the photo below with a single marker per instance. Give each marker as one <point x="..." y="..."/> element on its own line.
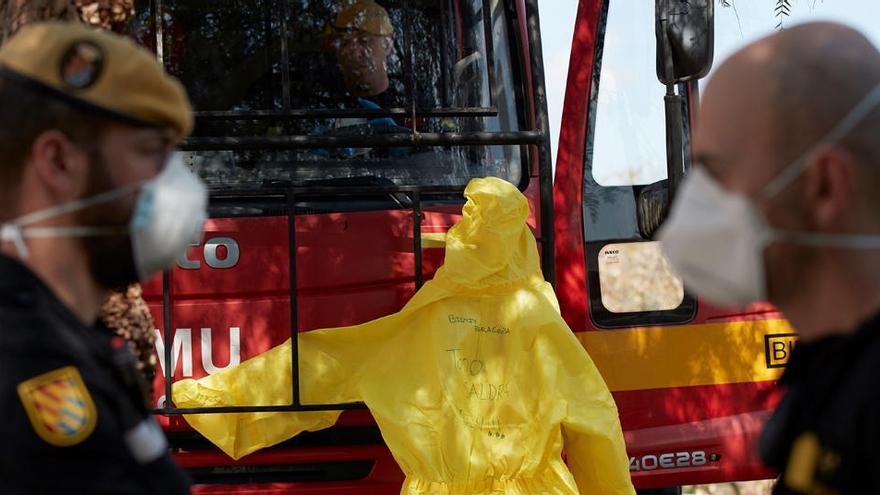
<point x="354" y="267"/>
<point x="351" y="268"/>
<point x="336" y="287"/>
<point x="723" y="419"/>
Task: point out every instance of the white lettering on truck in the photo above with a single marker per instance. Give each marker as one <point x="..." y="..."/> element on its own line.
<point x="181" y="352"/>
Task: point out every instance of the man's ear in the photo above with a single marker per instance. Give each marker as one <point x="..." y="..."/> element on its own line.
<point x="830" y="188"/>
<point x="60" y="165"/>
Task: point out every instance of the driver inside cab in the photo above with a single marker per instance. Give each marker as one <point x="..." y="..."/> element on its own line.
<point x="361" y="37"/>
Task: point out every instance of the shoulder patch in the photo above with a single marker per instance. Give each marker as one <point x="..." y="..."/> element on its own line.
<point x="59" y="406"/>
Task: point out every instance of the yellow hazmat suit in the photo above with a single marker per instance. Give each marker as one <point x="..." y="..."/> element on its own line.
<point x="477" y="384"/>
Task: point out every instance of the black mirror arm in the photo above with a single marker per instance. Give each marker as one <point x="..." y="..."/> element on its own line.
<point x="674" y="139"/>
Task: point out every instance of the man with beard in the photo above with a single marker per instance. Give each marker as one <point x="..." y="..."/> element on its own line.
<point x="92" y="199"/>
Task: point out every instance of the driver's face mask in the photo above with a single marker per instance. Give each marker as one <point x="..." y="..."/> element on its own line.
<point x="167" y="217"/>
<point x="715" y="239"/>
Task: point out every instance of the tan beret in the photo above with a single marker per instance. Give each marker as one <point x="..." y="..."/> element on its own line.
<point x="98" y="69"/>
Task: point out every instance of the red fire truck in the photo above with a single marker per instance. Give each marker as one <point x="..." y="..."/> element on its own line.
<point x="323" y="205"/>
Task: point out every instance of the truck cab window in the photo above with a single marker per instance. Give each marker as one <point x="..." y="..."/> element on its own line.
<point x="630" y="281"/>
<point x="330" y="72"/>
<point x="629" y="140"/>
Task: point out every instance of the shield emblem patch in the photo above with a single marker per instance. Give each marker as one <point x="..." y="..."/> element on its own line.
<point x="59" y="406"/>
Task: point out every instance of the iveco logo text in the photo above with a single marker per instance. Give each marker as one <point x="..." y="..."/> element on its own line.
<point x="215" y="257"/>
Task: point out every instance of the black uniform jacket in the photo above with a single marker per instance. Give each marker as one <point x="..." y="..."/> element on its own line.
<point x="73" y="416"/>
<point x="823" y="437"/>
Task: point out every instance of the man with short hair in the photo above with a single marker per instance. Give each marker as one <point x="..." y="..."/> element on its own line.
<point x="361" y="37"/>
<point x="90" y="200"/>
<point x="782" y="206"/>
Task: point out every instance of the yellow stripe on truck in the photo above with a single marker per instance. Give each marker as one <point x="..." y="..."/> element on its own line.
<point x="690" y="355"/>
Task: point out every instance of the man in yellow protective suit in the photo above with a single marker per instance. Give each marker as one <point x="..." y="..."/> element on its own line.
<point x="477" y="384"/>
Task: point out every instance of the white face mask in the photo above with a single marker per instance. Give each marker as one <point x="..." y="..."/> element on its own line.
<point x="715" y="239"/>
<point x="167" y="217"/>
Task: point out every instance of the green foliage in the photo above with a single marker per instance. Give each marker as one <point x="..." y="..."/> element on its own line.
<point x="782" y="10"/>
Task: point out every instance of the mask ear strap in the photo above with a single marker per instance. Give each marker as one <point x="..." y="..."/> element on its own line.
<point x="846" y="241"/>
<point x="15" y="231"/>
<point x="16" y="234"/>
<point x="49" y="232"/>
<point x="12" y="232"/>
<point x="839" y="131"/>
<point x="79" y="204"/>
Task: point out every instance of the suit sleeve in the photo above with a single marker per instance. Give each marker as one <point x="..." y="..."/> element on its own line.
<point x="594" y="444"/>
<point x="331" y="364"/>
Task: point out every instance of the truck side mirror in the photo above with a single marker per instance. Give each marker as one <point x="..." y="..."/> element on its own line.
<point x="685" y="31"/>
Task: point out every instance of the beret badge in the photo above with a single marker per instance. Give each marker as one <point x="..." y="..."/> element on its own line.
<point x="81" y="65"/>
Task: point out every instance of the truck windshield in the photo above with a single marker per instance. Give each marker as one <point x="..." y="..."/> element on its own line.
<point x="339" y="78"/>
